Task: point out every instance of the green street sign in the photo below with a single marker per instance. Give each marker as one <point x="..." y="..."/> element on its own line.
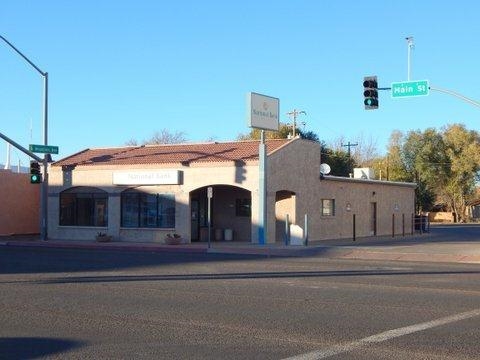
<point x="44" y="149"/>
<point x="410" y="88"/>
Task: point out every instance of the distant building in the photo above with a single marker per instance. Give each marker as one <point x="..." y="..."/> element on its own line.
<point x="19" y="205"/>
<point x="143" y="193"/>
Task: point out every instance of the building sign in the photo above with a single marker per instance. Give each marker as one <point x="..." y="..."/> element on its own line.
<point x="262" y="111"/>
<point x="155" y="177"/>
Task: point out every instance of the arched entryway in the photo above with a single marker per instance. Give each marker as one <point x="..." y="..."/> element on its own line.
<point x="230" y="214"/>
<point x="285" y="203"/>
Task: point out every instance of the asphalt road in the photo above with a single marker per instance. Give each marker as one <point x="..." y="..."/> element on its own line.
<point x="77" y="304"/>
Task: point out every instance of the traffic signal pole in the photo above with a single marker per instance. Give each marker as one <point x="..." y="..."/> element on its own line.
<point x="370" y="84"/>
<point x="44" y="188"/>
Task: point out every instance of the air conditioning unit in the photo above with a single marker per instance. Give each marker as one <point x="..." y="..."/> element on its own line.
<point x="363" y="173"/>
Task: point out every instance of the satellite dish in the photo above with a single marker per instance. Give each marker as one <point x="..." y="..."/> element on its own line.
<point x="325" y="169"/>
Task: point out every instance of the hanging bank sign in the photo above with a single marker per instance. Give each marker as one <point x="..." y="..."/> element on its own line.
<point x="154" y="177"/>
<point x="262" y="111"/>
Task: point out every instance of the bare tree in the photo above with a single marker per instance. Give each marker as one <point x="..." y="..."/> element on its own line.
<point x="363" y="151"/>
<point x="366" y="151"/>
<point x="166" y="137"/>
<point x="131" y="142"/>
<point x="163" y="136"/>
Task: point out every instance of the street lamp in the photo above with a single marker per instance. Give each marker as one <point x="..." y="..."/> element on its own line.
<point x="44" y="188"/>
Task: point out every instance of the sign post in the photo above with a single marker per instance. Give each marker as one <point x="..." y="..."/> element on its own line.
<point x="263" y="113"/>
<point x="209" y="215"/>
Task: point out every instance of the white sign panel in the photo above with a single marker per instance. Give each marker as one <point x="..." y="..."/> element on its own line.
<point x="158" y="177"/>
<point x="263" y="111"/>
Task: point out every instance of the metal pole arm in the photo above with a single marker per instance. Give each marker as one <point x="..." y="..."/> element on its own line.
<point x="453" y="93"/>
<point x="23" y="56"/>
<point x="21" y="148"/>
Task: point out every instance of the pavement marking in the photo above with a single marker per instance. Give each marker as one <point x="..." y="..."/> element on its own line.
<point x="384" y="336"/>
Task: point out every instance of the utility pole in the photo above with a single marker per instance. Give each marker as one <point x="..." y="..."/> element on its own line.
<point x="349" y="145"/>
<point x="293" y="114"/>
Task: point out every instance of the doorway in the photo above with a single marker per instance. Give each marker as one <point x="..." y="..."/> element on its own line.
<point x="285" y="205"/>
<point x="230" y="214"/>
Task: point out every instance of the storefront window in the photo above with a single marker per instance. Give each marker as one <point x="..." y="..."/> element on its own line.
<point x="328" y="207"/>
<point x="142" y="210"/>
<point x="83" y="206"/>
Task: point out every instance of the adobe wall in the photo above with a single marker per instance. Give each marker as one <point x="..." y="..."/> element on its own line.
<point x="19" y="205"/>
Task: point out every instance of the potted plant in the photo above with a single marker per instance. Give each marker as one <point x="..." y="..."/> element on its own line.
<point x="103" y="237"/>
<point x="173" y="239"/>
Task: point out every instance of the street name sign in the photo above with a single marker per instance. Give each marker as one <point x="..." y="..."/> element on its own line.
<point x="44" y="149"/>
<point x="410" y="88"/>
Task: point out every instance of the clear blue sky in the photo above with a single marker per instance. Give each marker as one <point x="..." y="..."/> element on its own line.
<point x="125" y="69"/>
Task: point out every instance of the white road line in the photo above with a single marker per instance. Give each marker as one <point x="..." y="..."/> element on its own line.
<point x="384" y="336"/>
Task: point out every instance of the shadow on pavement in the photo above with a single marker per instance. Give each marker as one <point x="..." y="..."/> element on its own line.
<point x="51" y="260"/>
<point x="23" y="348"/>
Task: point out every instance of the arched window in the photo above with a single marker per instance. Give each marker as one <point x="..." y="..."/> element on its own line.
<point x="145" y="210"/>
<point x="84" y="206"/>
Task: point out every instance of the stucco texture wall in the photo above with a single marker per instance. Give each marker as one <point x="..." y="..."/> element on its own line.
<point x="19" y="205"/>
<point x="295" y="168"/>
<point x="195" y="176"/>
<point x="394" y="208"/>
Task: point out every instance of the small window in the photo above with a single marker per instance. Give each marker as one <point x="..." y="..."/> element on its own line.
<point x="243" y="207"/>
<point x="328" y="207"/>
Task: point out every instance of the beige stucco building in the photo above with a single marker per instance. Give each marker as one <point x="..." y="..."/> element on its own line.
<point x="142" y="193"/>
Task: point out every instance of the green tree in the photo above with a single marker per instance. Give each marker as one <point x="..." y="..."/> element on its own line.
<point x="425" y="159"/>
<point x="444" y="164"/>
<point x="395" y="168"/>
<point x="463" y="152"/>
<point x="284" y="132"/>
<point x="340" y="163"/>
<point x="391" y="166"/>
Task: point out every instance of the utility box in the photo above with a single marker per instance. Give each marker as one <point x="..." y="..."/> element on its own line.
<point x="363" y="173"/>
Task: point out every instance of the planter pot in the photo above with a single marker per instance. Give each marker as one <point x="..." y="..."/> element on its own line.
<point x="106" y="238"/>
<point x="173" y="241"/>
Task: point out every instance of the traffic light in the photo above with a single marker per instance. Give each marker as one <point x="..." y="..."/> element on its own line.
<point x="370" y="92"/>
<point x="35" y="175"/>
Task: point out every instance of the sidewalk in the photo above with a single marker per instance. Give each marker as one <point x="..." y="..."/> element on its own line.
<point x="449" y="244"/>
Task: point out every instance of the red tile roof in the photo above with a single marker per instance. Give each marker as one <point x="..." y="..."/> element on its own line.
<point x="171" y="153"/>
